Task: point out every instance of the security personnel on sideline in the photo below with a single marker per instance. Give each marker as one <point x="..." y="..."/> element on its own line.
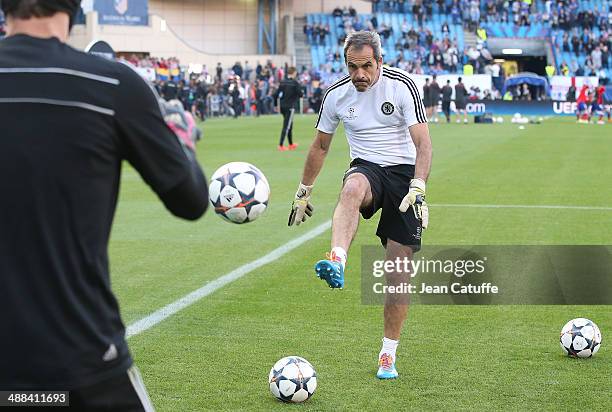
<point x="289" y="91"/>
<point x="68" y="120"/>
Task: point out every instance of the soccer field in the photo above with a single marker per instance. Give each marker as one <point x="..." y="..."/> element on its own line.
<point x="216" y="354"/>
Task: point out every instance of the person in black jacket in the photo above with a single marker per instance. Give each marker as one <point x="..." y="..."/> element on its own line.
<point x="289" y="92"/>
<point x="60" y="178"/>
<point x="447" y="95"/>
<point x="434" y="98"/>
<point x="461" y="95"/>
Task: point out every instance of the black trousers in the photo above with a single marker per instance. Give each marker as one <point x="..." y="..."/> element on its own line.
<point x="287" y="131"/>
<point x="446" y="108"/>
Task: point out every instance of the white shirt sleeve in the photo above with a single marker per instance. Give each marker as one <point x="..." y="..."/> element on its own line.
<point x="328" y="118"/>
<point x="412" y="104"/>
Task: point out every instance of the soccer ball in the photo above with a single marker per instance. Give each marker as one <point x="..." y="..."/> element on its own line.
<point x="239" y="192"/>
<point x="581" y="338"/>
<point x="500" y="119"/>
<point x="292" y="379"/>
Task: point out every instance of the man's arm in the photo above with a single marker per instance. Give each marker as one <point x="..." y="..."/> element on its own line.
<point x="416" y="194"/>
<point x="316" y="157"/>
<point x="301" y="208"/>
<point x="422" y="142"/>
<point x="156" y="152"/>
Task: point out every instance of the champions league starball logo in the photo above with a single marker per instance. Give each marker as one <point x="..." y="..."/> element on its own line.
<point x="121" y="6"/>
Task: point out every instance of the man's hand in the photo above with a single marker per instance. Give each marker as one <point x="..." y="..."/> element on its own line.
<point x="301" y="208"/>
<point x="416" y="199"/>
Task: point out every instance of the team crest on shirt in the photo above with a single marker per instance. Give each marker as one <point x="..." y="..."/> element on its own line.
<point x="387" y="108"/>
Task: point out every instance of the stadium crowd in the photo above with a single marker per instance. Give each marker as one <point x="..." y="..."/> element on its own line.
<point x="238" y="90"/>
<point x="581" y="38"/>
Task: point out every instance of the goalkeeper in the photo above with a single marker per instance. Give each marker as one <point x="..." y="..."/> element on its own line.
<point x="390" y="147"/>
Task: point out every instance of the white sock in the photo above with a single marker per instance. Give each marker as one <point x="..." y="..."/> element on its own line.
<point x="389" y="346"/>
<point x="341" y="254"/>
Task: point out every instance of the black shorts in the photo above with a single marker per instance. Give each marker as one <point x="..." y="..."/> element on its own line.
<point x="123" y="393"/>
<point x="389" y="185"/>
<point x="460" y="104"/>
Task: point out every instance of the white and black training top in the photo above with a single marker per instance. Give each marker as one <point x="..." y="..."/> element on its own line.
<point x="376" y="120"/>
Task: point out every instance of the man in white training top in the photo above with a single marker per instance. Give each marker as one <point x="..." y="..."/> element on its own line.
<point x="386" y="127"/>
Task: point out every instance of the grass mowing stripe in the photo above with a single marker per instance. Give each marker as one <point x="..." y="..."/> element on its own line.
<point x="189" y="299"/>
<point x="520" y="206"/>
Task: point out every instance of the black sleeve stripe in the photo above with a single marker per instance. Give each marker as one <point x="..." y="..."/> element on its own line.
<point x="418" y="104"/>
<point x="339" y="83"/>
<point x="412" y="85"/>
<point x="415" y="95"/>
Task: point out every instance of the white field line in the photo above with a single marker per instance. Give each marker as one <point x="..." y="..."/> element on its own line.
<point x="522" y="206"/>
<point x="212" y="286"/>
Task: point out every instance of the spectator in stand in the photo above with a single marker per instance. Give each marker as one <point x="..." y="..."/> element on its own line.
<point x="456" y="12"/>
<point x="248" y="70"/>
<point x="219" y="71"/>
<point x="236" y="91"/>
<point x="474" y="14"/>
<point x="170" y="90"/>
<point x="564" y="69"/>
<point x="237" y="69"/>
<point x="308" y="32"/>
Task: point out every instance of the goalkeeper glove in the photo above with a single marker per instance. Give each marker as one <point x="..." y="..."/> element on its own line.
<point x="416" y="199"/>
<point x="301" y="208"/>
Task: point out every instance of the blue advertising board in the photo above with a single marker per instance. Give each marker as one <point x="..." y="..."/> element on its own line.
<point x="525" y="108"/>
<point x="122" y="12"/>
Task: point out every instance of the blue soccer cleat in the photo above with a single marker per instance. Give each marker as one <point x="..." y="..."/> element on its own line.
<point x="386" y="367"/>
<point x="331" y="271"/>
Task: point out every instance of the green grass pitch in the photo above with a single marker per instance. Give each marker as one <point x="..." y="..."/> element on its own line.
<point x="216" y="354"/>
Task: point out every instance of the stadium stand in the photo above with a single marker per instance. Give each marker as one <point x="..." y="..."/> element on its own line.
<point x="436" y="44"/>
<point x="577" y="30"/>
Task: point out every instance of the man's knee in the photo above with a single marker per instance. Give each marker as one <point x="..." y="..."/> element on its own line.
<point x="355" y="188"/>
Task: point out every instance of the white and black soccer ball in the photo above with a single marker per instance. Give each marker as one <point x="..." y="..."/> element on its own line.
<point x="580" y="338"/>
<point x="239" y="192"/>
<point x="292" y="379"/>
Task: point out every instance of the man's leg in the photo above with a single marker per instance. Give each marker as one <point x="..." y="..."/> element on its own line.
<point x="396" y="306"/>
<point x="290" y="130"/>
<point x="396" y="309"/>
<point x="356" y="194"/>
<point x="281" y="142"/>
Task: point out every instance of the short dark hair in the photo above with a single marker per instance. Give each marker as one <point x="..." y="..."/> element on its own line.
<point x="459" y="80"/>
<point x="359" y="39"/>
<point x="26" y="9"/>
